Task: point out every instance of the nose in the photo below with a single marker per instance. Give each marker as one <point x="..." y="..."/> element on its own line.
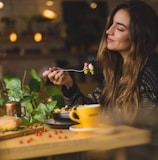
<point x="110" y="31"/>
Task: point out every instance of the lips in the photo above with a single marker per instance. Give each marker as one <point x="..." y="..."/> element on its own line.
<point x="109" y="40"/>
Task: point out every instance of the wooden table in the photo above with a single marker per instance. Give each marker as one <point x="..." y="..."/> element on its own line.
<point x="57" y="141"/>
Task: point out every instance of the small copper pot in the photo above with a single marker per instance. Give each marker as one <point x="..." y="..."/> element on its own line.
<point x="13" y="108"/>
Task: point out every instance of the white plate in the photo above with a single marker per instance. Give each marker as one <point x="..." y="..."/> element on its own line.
<point x="100" y="130"/>
<point x="79" y="128"/>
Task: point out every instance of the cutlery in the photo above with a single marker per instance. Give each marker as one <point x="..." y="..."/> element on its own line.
<point x="69" y="70"/>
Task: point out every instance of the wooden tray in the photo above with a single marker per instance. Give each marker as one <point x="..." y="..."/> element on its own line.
<point x="23" y="131"/>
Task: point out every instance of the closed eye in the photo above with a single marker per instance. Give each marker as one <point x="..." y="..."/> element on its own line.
<point x="121" y="27"/>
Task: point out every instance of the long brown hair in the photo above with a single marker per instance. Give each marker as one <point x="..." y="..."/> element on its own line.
<point x="121" y="91"/>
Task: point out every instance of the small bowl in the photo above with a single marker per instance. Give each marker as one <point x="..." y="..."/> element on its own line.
<point x="62" y="114"/>
<point x="63" y="117"/>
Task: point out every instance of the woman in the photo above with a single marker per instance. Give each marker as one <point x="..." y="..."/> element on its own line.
<point x="128" y="60"/>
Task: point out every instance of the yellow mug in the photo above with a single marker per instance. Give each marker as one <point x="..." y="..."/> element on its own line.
<point x="88" y="115"/>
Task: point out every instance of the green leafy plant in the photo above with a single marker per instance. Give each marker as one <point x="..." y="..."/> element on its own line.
<point x="38" y="99"/>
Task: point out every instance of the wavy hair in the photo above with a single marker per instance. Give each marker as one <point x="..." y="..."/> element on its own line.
<point x="121" y="91"/>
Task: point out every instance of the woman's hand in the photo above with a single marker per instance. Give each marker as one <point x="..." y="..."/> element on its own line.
<point x="58" y="77"/>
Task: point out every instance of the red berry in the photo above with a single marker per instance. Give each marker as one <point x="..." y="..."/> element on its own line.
<point x="39" y="133"/>
<point x="30" y="127"/>
<point x="44" y="130"/>
<point x="55" y="133"/>
<point x="21" y="141"/>
<point x="49" y="135"/>
<point x="31" y="138"/>
<point x="36" y="126"/>
<point x="24" y="133"/>
<point x="28" y="141"/>
<point x="36" y="133"/>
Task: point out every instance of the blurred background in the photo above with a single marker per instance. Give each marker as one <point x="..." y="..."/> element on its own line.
<point x="43" y="33"/>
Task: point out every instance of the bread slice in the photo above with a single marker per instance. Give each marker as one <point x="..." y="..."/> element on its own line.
<point x="9" y="123"/>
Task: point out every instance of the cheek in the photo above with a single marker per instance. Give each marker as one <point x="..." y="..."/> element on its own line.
<point x="125" y="40"/>
<point x="123" y="37"/>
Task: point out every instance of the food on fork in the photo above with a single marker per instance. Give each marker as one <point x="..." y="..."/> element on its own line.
<point x="88" y="68"/>
<point x="8" y="123"/>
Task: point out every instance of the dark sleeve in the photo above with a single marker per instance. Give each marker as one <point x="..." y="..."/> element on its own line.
<point x="148" y="111"/>
<point x="149" y="83"/>
<point x="74" y="96"/>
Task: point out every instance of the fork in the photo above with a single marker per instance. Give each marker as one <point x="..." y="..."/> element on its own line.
<point x="69" y="70"/>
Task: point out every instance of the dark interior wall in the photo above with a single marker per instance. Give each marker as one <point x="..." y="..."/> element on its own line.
<point x="84" y="24"/>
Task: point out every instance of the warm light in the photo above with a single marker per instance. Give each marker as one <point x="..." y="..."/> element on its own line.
<point x="13" y="37"/>
<point x="1" y="5"/>
<point x="93" y="5"/>
<point x="37" y="37"/>
<point x="49" y="14"/>
<point x="49" y="3"/>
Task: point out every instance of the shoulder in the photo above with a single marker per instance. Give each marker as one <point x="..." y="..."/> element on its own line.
<point x="152" y="65"/>
<point x="149" y="80"/>
<point x="153" y="60"/>
<point x="149" y="75"/>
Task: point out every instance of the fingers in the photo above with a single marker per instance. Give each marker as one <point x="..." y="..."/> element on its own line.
<point x="46" y="73"/>
<point x="56" y="77"/>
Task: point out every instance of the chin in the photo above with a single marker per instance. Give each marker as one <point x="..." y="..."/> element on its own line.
<point x="110" y="48"/>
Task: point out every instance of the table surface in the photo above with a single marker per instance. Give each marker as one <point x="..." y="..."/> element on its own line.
<point x="61" y="141"/>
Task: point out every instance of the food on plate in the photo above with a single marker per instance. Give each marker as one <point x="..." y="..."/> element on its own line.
<point x="88" y="68"/>
<point x="64" y="109"/>
<point x="8" y="123"/>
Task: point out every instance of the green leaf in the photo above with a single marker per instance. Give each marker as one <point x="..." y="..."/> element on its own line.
<point x="56" y="93"/>
<point x="12" y="82"/>
<point x="34" y="85"/>
<point x="15" y="93"/>
<point x="40" y="117"/>
<point x="41" y="108"/>
<point x="35" y="111"/>
<point x="2" y="101"/>
<point x="34" y="74"/>
<point x="53" y="90"/>
<point x="24" y="121"/>
<point x="29" y="107"/>
<point x="50" y="106"/>
<point x="13" y="87"/>
<point x="26" y="99"/>
<point x="60" y="100"/>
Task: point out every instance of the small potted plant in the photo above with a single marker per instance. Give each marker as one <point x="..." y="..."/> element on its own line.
<point x="37" y="98"/>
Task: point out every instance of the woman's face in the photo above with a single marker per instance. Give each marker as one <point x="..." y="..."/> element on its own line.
<point x="118" y="37"/>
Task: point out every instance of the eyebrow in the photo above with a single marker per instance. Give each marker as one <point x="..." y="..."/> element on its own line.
<point x="121" y="24"/>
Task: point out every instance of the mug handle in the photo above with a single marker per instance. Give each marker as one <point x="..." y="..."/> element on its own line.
<point x="71" y="115"/>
